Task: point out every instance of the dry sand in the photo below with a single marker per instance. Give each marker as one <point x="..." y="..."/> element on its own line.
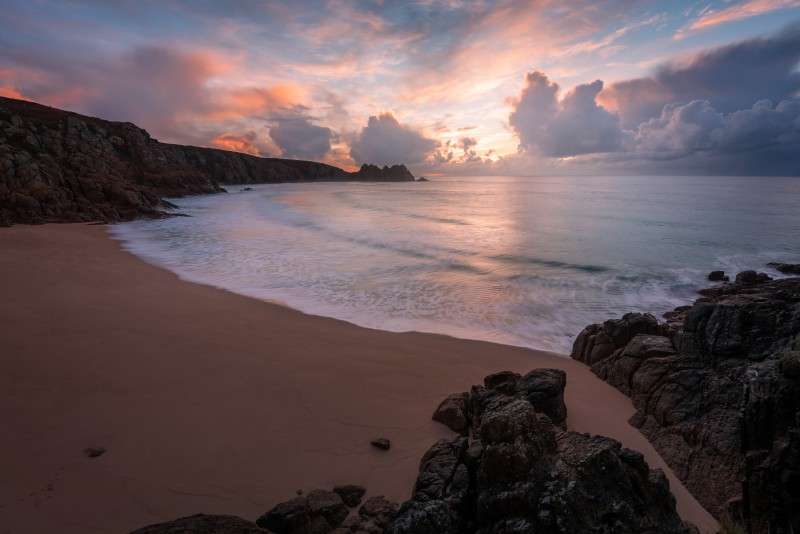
<point x="211" y="402"/>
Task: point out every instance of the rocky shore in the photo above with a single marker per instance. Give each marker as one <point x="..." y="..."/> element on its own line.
<point x="58" y="166"/>
<point x="717" y="392"/>
<point x="521" y="472"/>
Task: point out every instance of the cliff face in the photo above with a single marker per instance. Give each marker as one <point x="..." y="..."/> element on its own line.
<point x="58" y="166"/>
<point x="717" y="392"/>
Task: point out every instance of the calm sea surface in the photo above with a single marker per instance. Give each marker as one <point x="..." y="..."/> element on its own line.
<point x="524" y="261"/>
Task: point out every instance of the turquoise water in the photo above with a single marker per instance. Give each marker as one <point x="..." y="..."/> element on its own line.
<point x="524" y="261"/>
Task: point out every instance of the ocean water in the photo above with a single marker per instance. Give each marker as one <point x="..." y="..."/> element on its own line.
<point x="523" y="261"/>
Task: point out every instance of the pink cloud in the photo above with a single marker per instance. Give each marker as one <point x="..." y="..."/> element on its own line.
<point x="237" y="143"/>
<point x="747" y="9"/>
<point x="10" y="92"/>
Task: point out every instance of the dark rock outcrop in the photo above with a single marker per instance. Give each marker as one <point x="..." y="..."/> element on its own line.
<point x="543" y="388"/>
<point x="204" y="524"/>
<point x="373" y="517"/>
<point x="325" y="512"/>
<point x="718" y="276"/>
<point x="717" y="392"/>
<point x="454" y="413"/>
<point x="752" y="277"/>
<point x="59" y="166"/>
<point x="521" y="473"/>
<point x="787" y="268"/>
<point x="351" y="494"/>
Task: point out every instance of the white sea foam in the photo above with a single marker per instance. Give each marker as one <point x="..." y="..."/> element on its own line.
<point x="521" y="261"/>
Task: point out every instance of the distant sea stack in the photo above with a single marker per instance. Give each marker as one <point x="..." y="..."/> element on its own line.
<point x="59" y="166"/>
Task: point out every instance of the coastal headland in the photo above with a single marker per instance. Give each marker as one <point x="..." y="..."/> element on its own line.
<point x="59" y="166"/>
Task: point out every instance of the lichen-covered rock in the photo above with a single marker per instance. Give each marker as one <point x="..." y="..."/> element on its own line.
<point x="717" y="392"/>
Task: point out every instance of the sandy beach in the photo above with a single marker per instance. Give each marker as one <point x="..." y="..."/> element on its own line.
<point x="207" y="401"/>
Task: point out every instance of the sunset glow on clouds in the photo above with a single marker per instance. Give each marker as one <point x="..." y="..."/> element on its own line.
<point x="505" y="86"/>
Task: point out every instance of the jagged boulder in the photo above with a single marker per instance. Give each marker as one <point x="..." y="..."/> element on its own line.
<point x="373" y="517"/>
<point x="717" y="392"/>
<point x="351" y="494"/>
<point x="521" y="473"/>
<point x="454" y="413"/>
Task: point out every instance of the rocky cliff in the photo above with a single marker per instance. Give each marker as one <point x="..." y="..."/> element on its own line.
<point x="58" y="166"/>
<point x="717" y="392"/>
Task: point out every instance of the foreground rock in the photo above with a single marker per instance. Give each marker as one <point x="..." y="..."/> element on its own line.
<point x="58" y="166"/>
<point x="323" y="512"/>
<point x="717" y="392"/>
<point x="522" y="473"/>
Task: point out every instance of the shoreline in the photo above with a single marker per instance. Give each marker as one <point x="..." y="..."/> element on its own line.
<point x="209" y="401"/>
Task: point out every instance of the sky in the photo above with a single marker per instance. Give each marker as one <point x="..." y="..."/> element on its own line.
<point x="510" y="87"/>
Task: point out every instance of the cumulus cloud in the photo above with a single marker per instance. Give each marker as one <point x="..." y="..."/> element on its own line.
<point x="731" y="78"/>
<point x="760" y="138"/>
<point x="384" y="141"/>
<point x="299" y="138"/>
<point x="685" y="129"/>
<point x="576" y="125"/>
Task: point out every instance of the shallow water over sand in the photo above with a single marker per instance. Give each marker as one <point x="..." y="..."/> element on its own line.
<point x="524" y="261"/>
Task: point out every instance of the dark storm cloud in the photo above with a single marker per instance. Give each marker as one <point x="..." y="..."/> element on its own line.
<point x="731" y="78"/>
<point x="758" y="133"/>
<point x="734" y="110"/>
<point x="384" y="141"/>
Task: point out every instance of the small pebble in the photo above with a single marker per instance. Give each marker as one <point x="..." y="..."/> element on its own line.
<point x="382" y="444"/>
<point x="93" y="453"/>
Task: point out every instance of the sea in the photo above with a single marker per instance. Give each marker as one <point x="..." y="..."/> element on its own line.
<point x="527" y="261"/>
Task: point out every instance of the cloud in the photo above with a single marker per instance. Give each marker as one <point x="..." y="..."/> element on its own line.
<point x="298" y="138"/>
<point x="237" y="143"/>
<point x="762" y="138"/>
<point x="747" y="9"/>
<point x="685" y="129"/>
<point x="576" y="125"/>
<point x="731" y="77"/>
<point x="384" y="141"/>
<point x="10" y="92"/>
